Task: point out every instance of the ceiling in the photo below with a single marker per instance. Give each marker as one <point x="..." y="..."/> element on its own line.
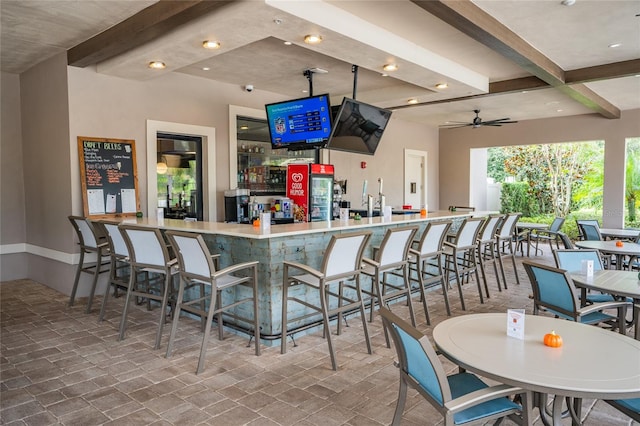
<point x="511" y="58"/>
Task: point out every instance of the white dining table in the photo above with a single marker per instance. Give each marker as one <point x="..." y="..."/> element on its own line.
<point x="616" y="283"/>
<point x="610" y="248"/>
<point x="592" y="362"/>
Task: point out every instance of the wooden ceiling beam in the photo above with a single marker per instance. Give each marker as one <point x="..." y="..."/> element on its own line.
<point x="146" y="25"/>
<point x="471" y="20"/>
<point x="603" y="72"/>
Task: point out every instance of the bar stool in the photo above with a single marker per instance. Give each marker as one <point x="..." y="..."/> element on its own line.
<point x="341" y="262"/>
<point x="198" y="270"/>
<point x="460" y="255"/>
<point x="426" y="260"/>
<point x="391" y="258"/>
<point x="90" y="241"/>
<point x="506" y="239"/>
<point x="120" y="266"/>
<point x="487" y="252"/>
<point x="148" y="253"/>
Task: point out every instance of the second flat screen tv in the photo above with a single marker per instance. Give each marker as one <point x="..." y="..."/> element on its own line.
<point x="303" y="123"/>
<point x="358" y="127"/>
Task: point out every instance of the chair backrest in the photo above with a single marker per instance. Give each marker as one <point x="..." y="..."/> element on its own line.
<point x="115" y="238"/>
<point x="566" y="241"/>
<point x="417" y="358"/>
<point x="468" y="232"/>
<point x="508" y="226"/>
<point x="193" y="255"/>
<point x="556" y="225"/>
<point x="590" y="232"/>
<point x="146" y="246"/>
<point x="490" y="228"/>
<point x="553" y="289"/>
<point x="432" y="238"/>
<point x="85" y="231"/>
<point x="585" y="221"/>
<point x="395" y="245"/>
<point x="571" y="260"/>
<point x="343" y="256"/>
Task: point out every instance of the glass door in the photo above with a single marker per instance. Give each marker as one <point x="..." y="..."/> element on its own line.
<point x="320" y="197"/>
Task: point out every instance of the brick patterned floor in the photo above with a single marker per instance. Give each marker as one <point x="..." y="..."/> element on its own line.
<point x="60" y="366"/>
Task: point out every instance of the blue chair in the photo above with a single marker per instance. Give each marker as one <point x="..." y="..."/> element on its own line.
<point x="461" y="397"/>
<point x="554" y="292"/>
<point x="630" y="407"/>
<point x="549" y="235"/>
<point x="571" y="260"/>
<point x="590" y="230"/>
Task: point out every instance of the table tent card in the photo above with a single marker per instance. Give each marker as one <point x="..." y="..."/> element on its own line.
<point x="515" y="323"/>
<point x="587" y="268"/>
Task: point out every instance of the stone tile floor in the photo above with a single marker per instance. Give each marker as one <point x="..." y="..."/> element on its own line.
<point x="60" y="366"/>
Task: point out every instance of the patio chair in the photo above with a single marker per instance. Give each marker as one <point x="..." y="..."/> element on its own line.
<point x="592" y="232"/>
<point x="550" y="235"/>
<point x="566" y="241"/>
<point x="425" y="259"/>
<point x="460" y="398"/>
<point x="460" y="255"/>
<point x="91" y="241"/>
<point x="555" y="293"/>
<point x="571" y="260"/>
<point x="224" y="290"/>
<point x="341" y="262"/>
<point x="506" y="243"/>
<point x="630" y="407"/>
<point x="487" y="251"/>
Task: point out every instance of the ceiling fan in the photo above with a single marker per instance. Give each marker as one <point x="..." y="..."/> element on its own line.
<point x="477" y="122"/>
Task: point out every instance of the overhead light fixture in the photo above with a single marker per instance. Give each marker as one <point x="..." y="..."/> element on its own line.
<point x="384" y="75"/>
<point x="157" y="65"/>
<point x="412" y="101"/>
<point x="390" y="67"/>
<point x="614" y="45"/>
<point x="205" y="68"/>
<point x="313" y="38"/>
<point x="442" y="86"/>
<point x="568" y="2"/>
<point x="287" y="43"/>
<point x="211" y="44"/>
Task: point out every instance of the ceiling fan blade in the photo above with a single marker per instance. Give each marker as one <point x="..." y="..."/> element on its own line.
<point x="454" y="126"/>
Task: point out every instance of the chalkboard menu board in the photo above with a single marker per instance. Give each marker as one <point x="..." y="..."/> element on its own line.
<point x="109" y="177"/>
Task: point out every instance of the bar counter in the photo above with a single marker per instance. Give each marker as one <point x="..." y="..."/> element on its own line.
<point x="299" y="242"/>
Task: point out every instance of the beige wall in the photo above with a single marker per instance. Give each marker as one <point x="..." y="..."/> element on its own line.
<point x="455" y="145"/>
<point x="12" y="215"/>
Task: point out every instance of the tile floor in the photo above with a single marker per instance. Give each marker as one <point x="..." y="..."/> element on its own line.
<point x="59" y="366"/>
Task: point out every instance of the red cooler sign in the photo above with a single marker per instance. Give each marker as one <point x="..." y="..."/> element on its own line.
<point x="298" y="189"/>
<point x="322" y="169"/>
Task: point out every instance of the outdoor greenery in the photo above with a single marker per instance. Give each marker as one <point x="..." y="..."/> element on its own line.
<point x="561" y="180"/>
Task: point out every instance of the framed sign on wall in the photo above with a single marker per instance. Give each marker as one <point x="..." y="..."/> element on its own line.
<point x="109" y="177"/>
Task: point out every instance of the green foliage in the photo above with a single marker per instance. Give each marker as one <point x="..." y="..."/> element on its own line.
<point x="495" y="164"/>
<point x="515" y="198"/>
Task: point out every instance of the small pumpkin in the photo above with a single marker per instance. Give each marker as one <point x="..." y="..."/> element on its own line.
<point x="619" y="243"/>
<point x="552" y="340"/>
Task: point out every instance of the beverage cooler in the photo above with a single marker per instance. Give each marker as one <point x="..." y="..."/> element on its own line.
<point x="310" y="186"/>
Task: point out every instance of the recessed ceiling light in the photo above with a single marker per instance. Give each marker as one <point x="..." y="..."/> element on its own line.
<point x="157" y="65"/>
<point x="412" y="101"/>
<point x="244" y="127"/>
<point x="390" y="67"/>
<point x="277" y="21"/>
<point x="312" y="38"/>
<point x="287" y="43"/>
<point x="205" y="68"/>
<point x="305" y="91"/>
<point x="558" y="110"/>
<point x="384" y="75"/>
<point x="524" y="91"/>
<point x="568" y="2"/>
<point x="211" y="44"/>
<point x="614" y="45"/>
<point x="442" y="86"/>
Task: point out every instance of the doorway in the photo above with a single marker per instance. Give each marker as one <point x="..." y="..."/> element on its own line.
<point x="415" y="178"/>
<point x="179" y="175"/>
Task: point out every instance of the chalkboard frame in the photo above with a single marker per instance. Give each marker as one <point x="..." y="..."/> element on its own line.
<point x="101" y="159"/>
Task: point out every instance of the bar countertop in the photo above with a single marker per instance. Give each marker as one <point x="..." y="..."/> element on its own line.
<point x="284" y="230"/>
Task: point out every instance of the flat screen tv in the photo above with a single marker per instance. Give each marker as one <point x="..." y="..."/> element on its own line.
<point x="358" y="127"/>
<point x="303" y="123"/>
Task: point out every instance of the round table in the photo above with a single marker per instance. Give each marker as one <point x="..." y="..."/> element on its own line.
<point x="592" y="363"/>
<point x="610" y="248"/>
<point x="621" y="234"/>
